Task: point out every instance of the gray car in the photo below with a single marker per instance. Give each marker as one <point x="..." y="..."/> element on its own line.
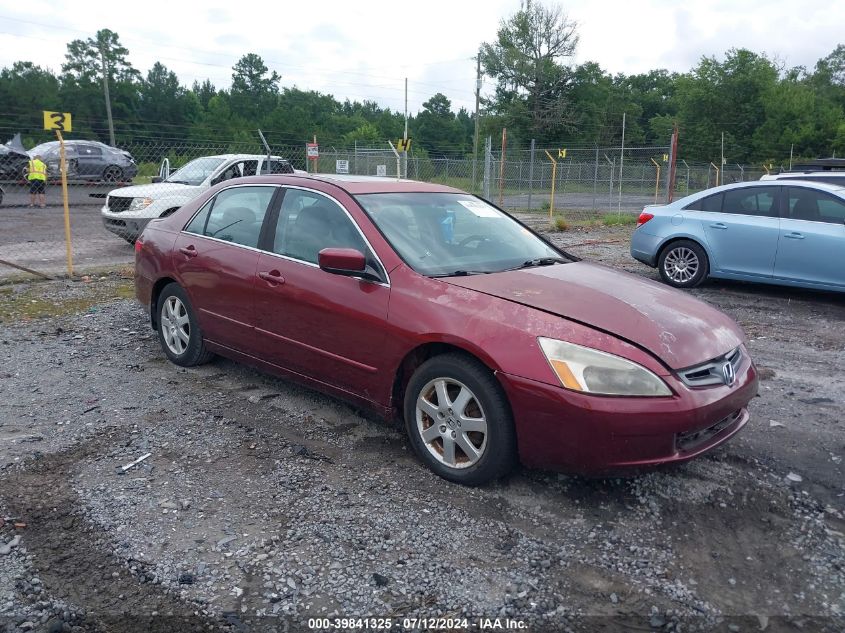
<point x="88" y="160"/>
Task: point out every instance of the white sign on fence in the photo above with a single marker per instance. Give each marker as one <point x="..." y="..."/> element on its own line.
<point x="341" y="166"/>
<point x="381" y="170"/>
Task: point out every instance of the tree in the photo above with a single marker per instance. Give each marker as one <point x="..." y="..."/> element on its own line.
<point x="164" y="102"/>
<point x="86" y="63"/>
<point x="527" y="61"/>
<point x="437" y="129"/>
<point x="254" y="91"/>
<point x="26" y="90"/>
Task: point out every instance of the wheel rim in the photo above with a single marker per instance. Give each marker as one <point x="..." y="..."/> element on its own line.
<point x="175" y="325"/>
<point x="681" y="265"/>
<point x="451" y="423"/>
<point x="112" y="174"/>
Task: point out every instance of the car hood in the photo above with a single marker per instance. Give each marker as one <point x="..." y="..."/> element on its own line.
<point x="158" y="190"/>
<point x="678" y="329"/>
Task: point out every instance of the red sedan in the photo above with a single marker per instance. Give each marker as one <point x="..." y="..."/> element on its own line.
<point x="430" y="305"/>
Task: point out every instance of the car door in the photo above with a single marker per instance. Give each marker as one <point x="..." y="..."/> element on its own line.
<point x="812" y="238"/>
<point x="90" y="160"/>
<point x="743" y="233"/>
<point x="216" y="258"/>
<point x="325" y="326"/>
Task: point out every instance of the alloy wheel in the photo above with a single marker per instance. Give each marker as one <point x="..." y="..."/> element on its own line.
<point x="175" y="325"/>
<point x="451" y="423"/>
<point x="681" y="265"/>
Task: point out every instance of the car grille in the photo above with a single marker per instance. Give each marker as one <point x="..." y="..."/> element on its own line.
<point x="712" y="372"/>
<point x="118" y="204"/>
<point x="689" y="441"/>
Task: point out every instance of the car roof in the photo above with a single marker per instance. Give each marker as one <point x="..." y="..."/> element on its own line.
<point x="362" y="184"/>
<point x="236" y="156"/>
<point x="826" y="186"/>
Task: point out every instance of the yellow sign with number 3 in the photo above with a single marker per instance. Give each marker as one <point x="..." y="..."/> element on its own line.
<point x="57" y="121"/>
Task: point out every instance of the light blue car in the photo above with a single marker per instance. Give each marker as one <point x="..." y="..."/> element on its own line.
<point x="778" y="232"/>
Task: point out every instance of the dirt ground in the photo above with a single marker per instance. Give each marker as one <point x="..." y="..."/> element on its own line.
<point x="262" y="506"/>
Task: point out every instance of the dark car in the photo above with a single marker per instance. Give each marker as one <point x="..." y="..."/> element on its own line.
<point x="88" y="160"/>
<point x="13" y="159"/>
<point x="430" y="305"/>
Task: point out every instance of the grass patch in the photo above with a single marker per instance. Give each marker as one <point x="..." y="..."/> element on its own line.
<point x="41" y="300"/>
<point x="619" y="219"/>
<point x="559" y="223"/>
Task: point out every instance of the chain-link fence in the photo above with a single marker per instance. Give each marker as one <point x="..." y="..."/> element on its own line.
<point x="578" y="184"/>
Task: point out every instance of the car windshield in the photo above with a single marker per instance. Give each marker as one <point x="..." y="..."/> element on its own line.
<point x="448" y="234"/>
<point x="195" y="172"/>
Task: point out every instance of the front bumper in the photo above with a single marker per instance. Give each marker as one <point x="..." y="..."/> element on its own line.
<point x="127" y="228"/>
<point x="594" y="435"/>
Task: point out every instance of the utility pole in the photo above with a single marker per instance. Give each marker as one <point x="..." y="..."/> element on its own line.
<point x="791" y="147"/>
<point x="722" y="166"/>
<point x="621" y="161"/>
<point x="475" y="138"/>
<point x="405" y="152"/>
<point x="106" y="91"/>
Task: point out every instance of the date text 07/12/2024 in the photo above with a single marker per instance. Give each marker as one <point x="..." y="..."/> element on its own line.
<point x="416" y="624"/>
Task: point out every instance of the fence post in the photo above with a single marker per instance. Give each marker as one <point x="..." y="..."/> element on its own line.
<point x="488" y="159"/>
<point x="595" y="179"/>
<point x="552" y="198"/>
<point x="612" y="171"/>
<point x="531" y="174"/>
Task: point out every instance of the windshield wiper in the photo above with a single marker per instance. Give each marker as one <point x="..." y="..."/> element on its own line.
<point x="540" y="261"/>
<point x="462" y="273"/>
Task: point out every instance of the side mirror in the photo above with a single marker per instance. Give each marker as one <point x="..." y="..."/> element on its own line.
<point x="345" y="261"/>
<point x="157" y="179"/>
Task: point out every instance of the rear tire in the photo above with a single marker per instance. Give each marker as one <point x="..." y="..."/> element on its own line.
<point x="683" y="264"/>
<point x="459" y="421"/>
<point x="178" y="331"/>
<point x="112" y="173"/>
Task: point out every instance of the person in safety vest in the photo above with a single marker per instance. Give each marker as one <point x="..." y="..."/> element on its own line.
<point x="37" y="176"/>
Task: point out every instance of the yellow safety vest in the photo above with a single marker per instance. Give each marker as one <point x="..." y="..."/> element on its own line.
<point x="37" y="170"/>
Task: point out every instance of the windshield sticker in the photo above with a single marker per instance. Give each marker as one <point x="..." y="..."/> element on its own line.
<point x="479" y="208"/>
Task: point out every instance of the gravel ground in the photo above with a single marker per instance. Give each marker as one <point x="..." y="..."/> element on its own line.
<point x="262" y="505"/>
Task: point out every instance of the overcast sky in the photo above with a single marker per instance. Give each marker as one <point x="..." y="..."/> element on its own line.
<point x="364" y="50"/>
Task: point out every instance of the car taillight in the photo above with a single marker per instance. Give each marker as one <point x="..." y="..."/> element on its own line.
<point x="644" y="217"/>
<point x="138" y="245"/>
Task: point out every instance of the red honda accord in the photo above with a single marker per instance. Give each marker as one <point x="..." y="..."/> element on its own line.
<point x="429" y="304"/>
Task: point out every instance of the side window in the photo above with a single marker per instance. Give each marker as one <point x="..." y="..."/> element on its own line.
<point x="237" y="170"/>
<point x="234" y="215"/>
<point x="710" y="203"/>
<point x="759" y="201"/>
<point x="815" y="206"/>
<point x="310" y="222"/>
<point x="90" y="150"/>
<point x="280" y="167"/>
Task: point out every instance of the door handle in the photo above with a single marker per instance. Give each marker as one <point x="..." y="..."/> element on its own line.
<point x="273" y="277"/>
<point x="189" y="251"/>
<point x="719" y="225"/>
<point x="794" y="236"/>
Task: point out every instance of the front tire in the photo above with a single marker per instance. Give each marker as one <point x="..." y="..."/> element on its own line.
<point x="178" y="330"/>
<point x="459" y="421"/>
<point x="683" y="264"/>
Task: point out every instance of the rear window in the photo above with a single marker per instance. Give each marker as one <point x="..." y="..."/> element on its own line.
<point x="709" y="203"/>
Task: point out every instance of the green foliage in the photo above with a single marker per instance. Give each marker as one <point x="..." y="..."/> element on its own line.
<point x="762" y="109"/>
<point x="526" y="59"/>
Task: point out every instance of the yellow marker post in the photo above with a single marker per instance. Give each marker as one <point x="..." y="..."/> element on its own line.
<point x="561" y="153"/>
<point x="717" y="174"/>
<point x="63" y="169"/>
<point x="554" y="177"/>
<point x="656" y="180"/>
<point x="61" y="122"/>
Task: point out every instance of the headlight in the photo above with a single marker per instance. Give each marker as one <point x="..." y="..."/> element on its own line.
<point x="591" y="371"/>
<point x="139" y="203"/>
